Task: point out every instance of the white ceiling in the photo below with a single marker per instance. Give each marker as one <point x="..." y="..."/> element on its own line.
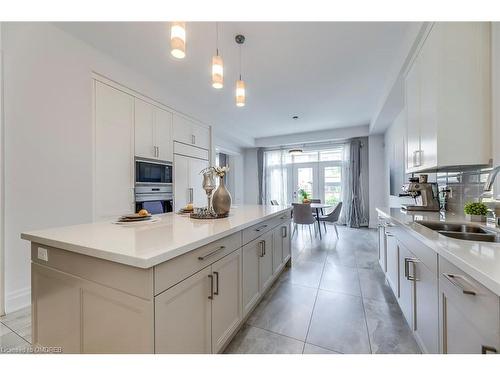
<point x="331" y="74"/>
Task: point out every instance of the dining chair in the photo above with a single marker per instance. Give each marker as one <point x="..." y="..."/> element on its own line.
<point x="332" y="217"/>
<point x="302" y="214"/>
<point x="274" y="202"/>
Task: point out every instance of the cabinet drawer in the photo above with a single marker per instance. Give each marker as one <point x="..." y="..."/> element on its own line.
<point x="475" y="302"/>
<point x="259" y="229"/>
<point x="191" y="151"/>
<point x="425" y="254"/>
<point x="175" y="270"/>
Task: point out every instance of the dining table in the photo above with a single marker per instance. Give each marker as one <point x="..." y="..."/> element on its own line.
<point x="319" y="208"/>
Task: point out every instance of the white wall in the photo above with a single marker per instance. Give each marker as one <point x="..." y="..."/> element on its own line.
<point x="48" y="136"/>
<point x="314" y="136"/>
<point x="2" y="237"/>
<point x="377" y="176"/>
<point x="251" y="189"/>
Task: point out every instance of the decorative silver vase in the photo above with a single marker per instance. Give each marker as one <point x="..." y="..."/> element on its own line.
<point x="221" y="199"/>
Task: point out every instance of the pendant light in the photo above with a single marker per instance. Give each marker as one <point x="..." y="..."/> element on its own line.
<point x="178" y="39"/>
<point x="240" y="84"/>
<point x="295" y="151"/>
<point x="217" y="64"/>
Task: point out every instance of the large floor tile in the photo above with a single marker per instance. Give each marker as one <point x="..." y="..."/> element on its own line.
<point x="316" y="254"/>
<point x="338" y="323"/>
<point x="253" y="340"/>
<point x="340" y="279"/>
<point x="340" y="257"/>
<point x="388" y="330"/>
<point x="303" y="273"/>
<point x="287" y="311"/>
<point x="20" y="322"/>
<point x="374" y="285"/>
<point x="12" y="343"/>
<point x="313" y="349"/>
<point x="367" y="260"/>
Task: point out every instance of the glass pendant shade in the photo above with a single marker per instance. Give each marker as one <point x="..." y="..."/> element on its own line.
<point x="217" y="72"/>
<point x="178" y="40"/>
<point x="240" y="93"/>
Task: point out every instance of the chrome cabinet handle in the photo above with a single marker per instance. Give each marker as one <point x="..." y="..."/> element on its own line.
<point x="211" y="253"/>
<point x="262" y="251"/>
<point x="216" y="283"/>
<point x="193" y="139"/>
<point x="407" y="269"/>
<point x="211" y="296"/>
<point x="157" y="151"/>
<point x="260" y="228"/>
<point x="389" y="234"/>
<point x="453" y="279"/>
<point x="191" y="194"/>
<point x="284" y="232"/>
<point x="488" y="349"/>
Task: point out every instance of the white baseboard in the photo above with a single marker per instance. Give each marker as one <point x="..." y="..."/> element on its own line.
<point x="17" y="300"/>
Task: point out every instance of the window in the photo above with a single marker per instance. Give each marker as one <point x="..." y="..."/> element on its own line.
<point x="318" y="172"/>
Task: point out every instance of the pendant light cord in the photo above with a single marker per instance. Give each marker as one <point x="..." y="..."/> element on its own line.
<point x="240" y="61"/>
<point x="217" y="37"/>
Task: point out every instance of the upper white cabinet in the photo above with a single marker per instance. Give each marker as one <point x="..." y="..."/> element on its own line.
<point x="447" y="98"/>
<point x="191" y="133"/>
<point x="114" y="152"/>
<point x="153" y="131"/>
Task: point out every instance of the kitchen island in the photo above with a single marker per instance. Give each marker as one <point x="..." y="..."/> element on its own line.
<point x="176" y="285"/>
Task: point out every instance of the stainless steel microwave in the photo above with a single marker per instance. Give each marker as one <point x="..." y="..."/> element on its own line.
<point x="149" y="171"/>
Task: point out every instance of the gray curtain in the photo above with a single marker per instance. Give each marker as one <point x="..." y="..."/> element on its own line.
<point x="353" y="214"/>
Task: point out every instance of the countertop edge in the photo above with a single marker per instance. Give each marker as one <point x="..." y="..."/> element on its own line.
<point x="145" y="263"/>
<point x="474" y="272"/>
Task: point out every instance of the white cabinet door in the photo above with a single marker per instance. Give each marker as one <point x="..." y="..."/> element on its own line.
<point x="426" y="308"/>
<point x="182" y="130"/>
<point x="413" y="116"/>
<point x="181" y="181"/>
<point x="251" y="255"/>
<point x="196" y="180"/>
<point x="405" y="286"/>
<point x="429" y="78"/>
<point x="287" y="243"/>
<point x="114" y="152"/>
<point x="392" y="262"/>
<point x="266" y="262"/>
<point x="183" y="316"/>
<point x="382" y="252"/>
<point x="144" y="129"/>
<point x="201" y="136"/>
<point x="277" y="248"/>
<point x="227" y="300"/>
<point x="163" y="134"/>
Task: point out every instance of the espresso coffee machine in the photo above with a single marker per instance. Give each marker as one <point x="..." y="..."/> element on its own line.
<point x="425" y="195"/>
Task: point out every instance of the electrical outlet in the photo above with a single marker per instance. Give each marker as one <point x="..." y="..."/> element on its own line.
<point x="43" y="254"/>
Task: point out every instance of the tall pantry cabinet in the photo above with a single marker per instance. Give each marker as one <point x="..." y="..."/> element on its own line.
<point x="129" y="125"/>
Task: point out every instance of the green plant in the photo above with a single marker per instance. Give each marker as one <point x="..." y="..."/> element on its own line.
<point x="473" y="208"/>
<point x="303" y="194"/>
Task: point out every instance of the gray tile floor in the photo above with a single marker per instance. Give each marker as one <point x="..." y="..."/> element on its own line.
<point x="334" y="299"/>
<point x="15" y="332"/>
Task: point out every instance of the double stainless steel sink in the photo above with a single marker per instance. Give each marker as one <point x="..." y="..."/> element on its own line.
<point x="463" y="231"/>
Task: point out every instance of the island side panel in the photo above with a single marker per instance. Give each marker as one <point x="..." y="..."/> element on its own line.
<point x="92" y="309"/>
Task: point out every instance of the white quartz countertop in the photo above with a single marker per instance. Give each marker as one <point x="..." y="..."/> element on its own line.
<point x="481" y="260"/>
<point x="147" y="244"/>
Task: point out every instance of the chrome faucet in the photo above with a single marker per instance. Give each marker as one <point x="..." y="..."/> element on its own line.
<point x="491" y="179"/>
